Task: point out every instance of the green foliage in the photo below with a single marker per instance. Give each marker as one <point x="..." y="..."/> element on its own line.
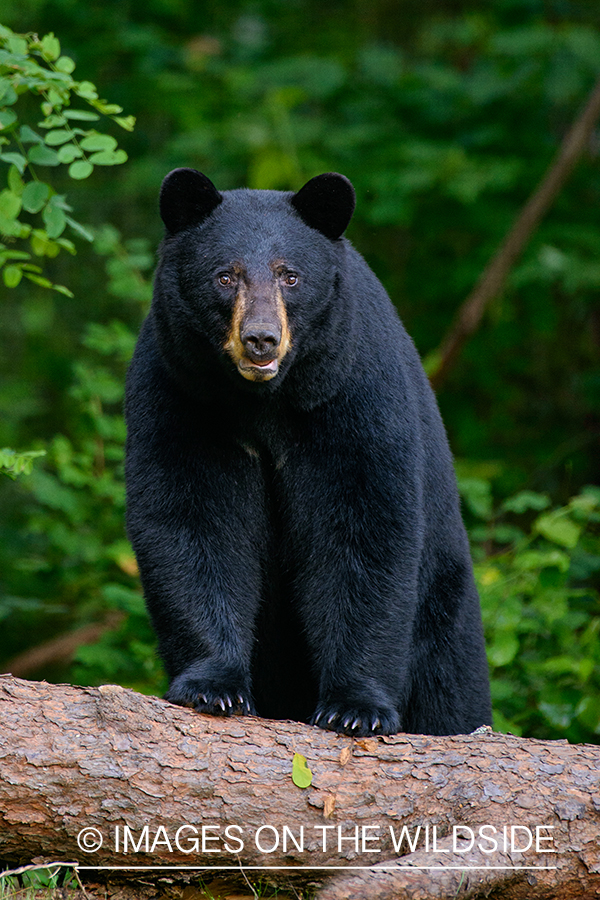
<point x="27" y="881"/>
<point x="75" y="547"/>
<point x="33" y="66"/>
<point x="536" y="567"/>
<point x="64" y="136"/>
<point x="14" y="464"/>
<point x="445" y="124"/>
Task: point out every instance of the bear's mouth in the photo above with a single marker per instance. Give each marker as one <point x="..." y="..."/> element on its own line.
<point x="258" y="371"/>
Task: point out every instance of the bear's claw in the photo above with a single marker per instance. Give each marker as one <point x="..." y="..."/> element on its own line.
<point x="215" y="698"/>
<point x="223" y="705"/>
<point x="357" y="722"/>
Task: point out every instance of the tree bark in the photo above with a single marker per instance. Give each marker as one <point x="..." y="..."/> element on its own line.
<point x="155" y="781"/>
<point x="494" y="277"/>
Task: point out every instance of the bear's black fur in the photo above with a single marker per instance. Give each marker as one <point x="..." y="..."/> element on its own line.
<point x="291" y="496"/>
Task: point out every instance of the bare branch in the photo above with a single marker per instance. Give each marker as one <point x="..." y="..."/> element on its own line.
<point x="494" y="276"/>
<point x="60" y="649"/>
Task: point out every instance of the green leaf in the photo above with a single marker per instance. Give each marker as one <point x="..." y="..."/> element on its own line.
<point x="10" y="205"/>
<point x="81" y="169"/>
<point x="43" y="156"/>
<point x="87" y="90"/>
<point x="12" y="275"/>
<point x="14" y="228"/>
<point x="126" y="122"/>
<point x="592" y="491"/>
<point x="15" y="182"/>
<point x="35" y="195"/>
<point x="38" y="279"/>
<point x="54" y="220"/>
<point x="81" y="115"/>
<point x="63" y="290"/>
<point x="301" y="774"/>
<point x="109" y="109"/>
<point x="10" y="227"/>
<point x="52" y="121"/>
<point x="525" y="500"/>
<point x="66" y="244"/>
<point x="585" y="503"/>
<point x="42" y="245"/>
<point x="503" y="649"/>
<point x="65" y="64"/>
<point x="50" y="47"/>
<point x="559" y="529"/>
<point x="15" y="159"/>
<point x="17" y="45"/>
<point x="60" y="136"/>
<point x="535" y="560"/>
<point x="69" y="152"/>
<point x="57" y="98"/>
<point x="28" y="136"/>
<point x="7" y="118"/>
<point x="80" y="230"/>
<point x="588" y="712"/>
<point x="108" y="158"/>
<point x="98" y="141"/>
<point x="13" y="254"/>
<point x="8" y="95"/>
<point x="558" y="714"/>
<point x="477" y="494"/>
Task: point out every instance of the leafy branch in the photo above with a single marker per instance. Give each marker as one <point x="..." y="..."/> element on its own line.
<point x="13" y="463"/>
<point x="64" y="136"/>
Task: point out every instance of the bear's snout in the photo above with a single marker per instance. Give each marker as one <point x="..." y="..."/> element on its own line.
<point x="259" y="336"/>
<point x="260" y="340"/>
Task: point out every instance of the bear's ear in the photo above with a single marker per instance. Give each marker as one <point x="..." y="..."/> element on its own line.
<point x="187" y="197"/>
<point x="326" y="203"/>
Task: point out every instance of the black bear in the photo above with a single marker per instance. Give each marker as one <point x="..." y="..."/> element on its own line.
<point x="291" y="496"/>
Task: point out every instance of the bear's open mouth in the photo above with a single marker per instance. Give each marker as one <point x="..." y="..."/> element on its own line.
<point x="258" y="371"/>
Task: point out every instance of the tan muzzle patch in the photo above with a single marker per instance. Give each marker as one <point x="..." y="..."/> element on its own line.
<point x="254" y="369"/>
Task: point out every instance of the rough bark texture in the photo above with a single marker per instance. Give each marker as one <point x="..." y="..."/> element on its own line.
<point x="106" y="758"/>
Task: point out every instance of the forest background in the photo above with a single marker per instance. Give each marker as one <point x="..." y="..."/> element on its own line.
<point x="445" y="115"/>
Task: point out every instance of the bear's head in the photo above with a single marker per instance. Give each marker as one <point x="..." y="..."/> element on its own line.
<point x="247" y="276"/>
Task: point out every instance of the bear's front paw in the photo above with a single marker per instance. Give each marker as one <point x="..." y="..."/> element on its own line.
<point x="223" y="704"/>
<point x="356" y="721"/>
<point x="224" y="698"/>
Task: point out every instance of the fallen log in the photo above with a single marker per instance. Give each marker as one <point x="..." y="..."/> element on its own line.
<point x="106" y="777"/>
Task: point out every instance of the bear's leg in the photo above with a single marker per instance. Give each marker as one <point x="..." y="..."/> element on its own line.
<point x="356" y="595"/>
<point x="199" y="543"/>
<point x="356" y="529"/>
<point x="449" y="685"/>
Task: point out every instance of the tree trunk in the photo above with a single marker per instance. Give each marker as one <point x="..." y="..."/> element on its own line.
<point x="163" y="786"/>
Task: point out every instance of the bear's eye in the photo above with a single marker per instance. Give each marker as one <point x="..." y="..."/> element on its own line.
<point x="290" y="278"/>
<point x="225" y="279"/>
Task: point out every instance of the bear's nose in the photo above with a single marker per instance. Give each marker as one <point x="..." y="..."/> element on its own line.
<point x="260" y="340"/>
